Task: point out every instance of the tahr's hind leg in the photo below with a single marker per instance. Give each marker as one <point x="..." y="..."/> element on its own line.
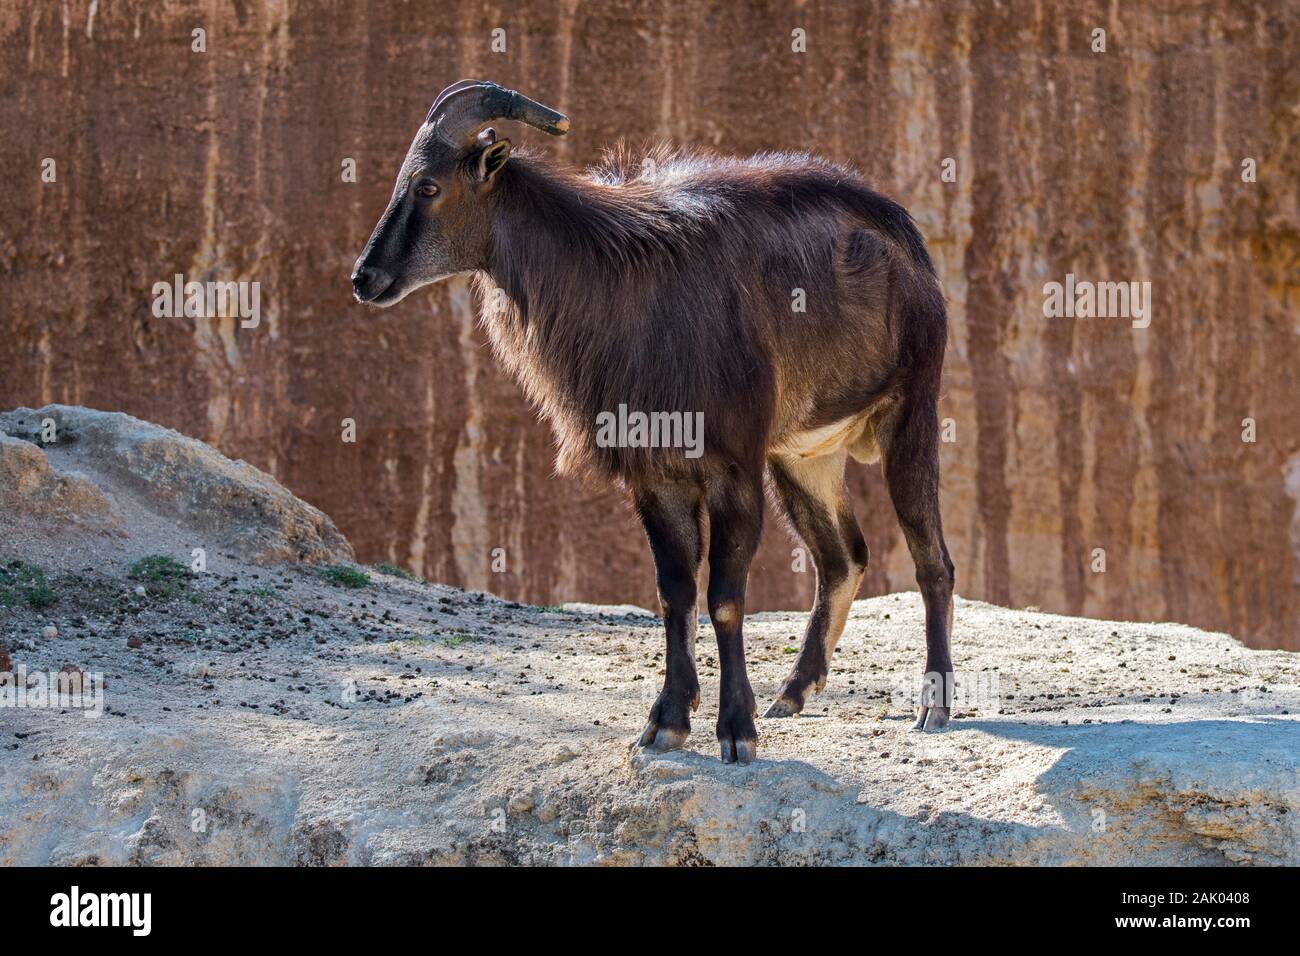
<point x="812" y="492"/>
<point x="911" y="464"/>
<point x="670" y="513"/>
<point x="735" y="524"/>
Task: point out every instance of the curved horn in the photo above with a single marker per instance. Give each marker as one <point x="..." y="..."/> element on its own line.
<point x="458" y="85"/>
<point x="462" y="110"/>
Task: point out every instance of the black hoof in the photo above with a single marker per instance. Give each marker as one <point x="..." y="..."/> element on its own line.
<point x="931" y="719"/>
<point x="737" y="738"/>
<point x="798" y="687"/>
<point x="662" y="739"/>
<point x="670" y="722"/>
<point x="783" y="707"/>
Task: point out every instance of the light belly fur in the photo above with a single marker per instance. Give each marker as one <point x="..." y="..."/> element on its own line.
<point x="855" y="432"/>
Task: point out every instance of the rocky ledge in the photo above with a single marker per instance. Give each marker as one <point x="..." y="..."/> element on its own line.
<point x="267" y="710"/>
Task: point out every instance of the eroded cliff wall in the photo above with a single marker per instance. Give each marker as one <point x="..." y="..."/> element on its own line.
<point x="1071" y="434"/>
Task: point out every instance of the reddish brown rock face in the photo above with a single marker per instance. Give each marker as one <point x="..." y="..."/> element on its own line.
<point x="1071" y="434"/>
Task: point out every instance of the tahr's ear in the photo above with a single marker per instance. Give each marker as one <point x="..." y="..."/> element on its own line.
<point x="491" y="159"/>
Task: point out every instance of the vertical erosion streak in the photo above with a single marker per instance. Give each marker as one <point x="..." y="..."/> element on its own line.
<point x="950" y="245"/>
<point x="420" y="533"/>
<point x="260" y="408"/>
<point x="564" y="64"/>
<point x="469" y="532"/>
<point x="1055" y="166"/>
<point x="989" y="305"/>
<point x="1291" y="486"/>
<point x="207" y="348"/>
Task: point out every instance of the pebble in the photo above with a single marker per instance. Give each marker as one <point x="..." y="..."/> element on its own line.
<point x="520" y="804"/>
<point x="49" y="631"/>
<point x="563" y="754"/>
<point x="139" y="590"/>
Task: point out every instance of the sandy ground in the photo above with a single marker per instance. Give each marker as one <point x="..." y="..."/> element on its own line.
<point x="268" y="716"/>
<point x="263" y="713"/>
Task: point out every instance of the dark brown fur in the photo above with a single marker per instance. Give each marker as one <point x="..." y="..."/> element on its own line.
<point x="666" y="284"/>
<point x="684" y="302"/>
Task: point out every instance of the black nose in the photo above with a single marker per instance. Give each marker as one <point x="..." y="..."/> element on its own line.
<point x="362" y="279"/>
<point x="369" y="282"/>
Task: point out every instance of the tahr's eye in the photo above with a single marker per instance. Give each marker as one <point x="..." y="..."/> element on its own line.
<point x="427" y="189"/>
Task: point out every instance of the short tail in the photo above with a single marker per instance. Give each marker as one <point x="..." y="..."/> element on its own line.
<point x="891" y="219"/>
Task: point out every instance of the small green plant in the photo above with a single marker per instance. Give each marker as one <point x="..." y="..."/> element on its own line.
<point x="457" y="639"/>
<point x="384" y="567"/>
<point x="342" y="576"/>
<point x="410" y="642"/>
<point x="161" y="575"/>
<point x="24" y="583"/>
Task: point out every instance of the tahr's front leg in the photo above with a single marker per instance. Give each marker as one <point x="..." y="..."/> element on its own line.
<point x="670" y="513"/>
<point x="735" y="525"/>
